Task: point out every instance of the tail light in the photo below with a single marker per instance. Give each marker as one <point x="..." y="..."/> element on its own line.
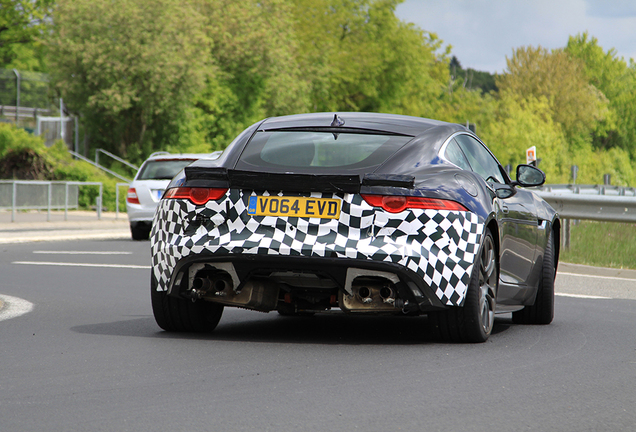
<point x="196" y="195"/>
<point x="398" y="203"/>
<point x="132" y="197"/>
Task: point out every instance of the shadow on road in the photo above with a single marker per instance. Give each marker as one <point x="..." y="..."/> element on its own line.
<point x="335" y="328"/>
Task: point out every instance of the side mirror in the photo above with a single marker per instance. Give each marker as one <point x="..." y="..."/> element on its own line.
<point x="502" y="191"/>
<point x="507" y="192"/>
<point x="528" y="176"/>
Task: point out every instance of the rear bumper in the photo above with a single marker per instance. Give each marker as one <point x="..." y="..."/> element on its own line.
<point x="342" y="271"/>
<point x="139" y="213"/>
<point x="432" y="250"/>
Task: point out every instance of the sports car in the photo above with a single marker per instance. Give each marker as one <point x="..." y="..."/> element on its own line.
<point x="364" y="213"/>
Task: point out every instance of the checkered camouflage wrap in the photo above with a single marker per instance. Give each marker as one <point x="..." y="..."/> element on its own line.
<point x="440" y="246"/>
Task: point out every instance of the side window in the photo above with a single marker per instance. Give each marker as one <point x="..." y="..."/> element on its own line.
<point x="454" y="155"/>
<point x="480" y="159"/>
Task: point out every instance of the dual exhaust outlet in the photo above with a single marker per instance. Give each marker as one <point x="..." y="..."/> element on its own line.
<point x="385" y="293"/>
<point x="205" y="286"/>
<point x="368" y="294"/>
<point x="371" y="295"/>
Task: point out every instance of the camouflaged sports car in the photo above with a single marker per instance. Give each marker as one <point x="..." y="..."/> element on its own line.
<point x="368" y="213"/>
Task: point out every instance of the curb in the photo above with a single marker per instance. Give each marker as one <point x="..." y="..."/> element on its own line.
<point x="56" y="236"/>
<point x="80" y="225"/>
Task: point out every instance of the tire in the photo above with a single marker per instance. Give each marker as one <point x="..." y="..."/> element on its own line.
<point x="140" y="231"/>
<point x="474" y="321"/>
<point x="180" y="315"/>
<point x="542" y="311"/>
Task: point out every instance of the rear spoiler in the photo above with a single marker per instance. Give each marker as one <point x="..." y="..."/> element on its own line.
<point x="347" y="183"/>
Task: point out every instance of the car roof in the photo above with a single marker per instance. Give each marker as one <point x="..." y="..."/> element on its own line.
<point x="391" y="123"/>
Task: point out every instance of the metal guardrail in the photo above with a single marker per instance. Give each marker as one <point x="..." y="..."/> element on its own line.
<point x="44" y="195"/>
<point x="599" y="208"/>
<point x="589" y="189"/>
<point x="603" y="203"/>
<point x="592" y="202"/>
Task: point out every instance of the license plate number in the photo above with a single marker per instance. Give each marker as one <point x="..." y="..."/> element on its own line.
<point x="307" y="207"/>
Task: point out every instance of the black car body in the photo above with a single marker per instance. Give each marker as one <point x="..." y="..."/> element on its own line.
<point x="369" y="213"/>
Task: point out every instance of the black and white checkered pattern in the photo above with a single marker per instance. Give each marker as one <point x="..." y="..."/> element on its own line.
<point x="440" y="246"/>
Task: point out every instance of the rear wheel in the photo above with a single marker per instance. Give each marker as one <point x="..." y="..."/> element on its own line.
<point x="180" y="315"/>
<point x="474" y="321"/>
<point x="542" y="311"/>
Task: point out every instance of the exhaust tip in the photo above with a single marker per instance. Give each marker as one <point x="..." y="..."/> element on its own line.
<point x="364" y="292"/>
<point x="201" y="284"/>
<point x="211" y="284"/>
<point x="387" y="293"/>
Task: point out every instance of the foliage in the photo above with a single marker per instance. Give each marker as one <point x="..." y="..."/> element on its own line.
<point x="617" y="81"/>
<point x="360" y="57"/>
<point x="146" y="75"/>
<point x="274" y="58"/>
<point x="22" y="155"/>
<point x="559" y="78"/>
<point x="129" y="67"/>
<point x="22" y="26"/>
<point x="472" y="79"/>
<point x="13" y="139"/>
<point x="460" y="105"/>
<point x="520" y="123"/>
<point x="564" y="103"/>
<point x="30" y="159"/>
<point x="253" y="75"/>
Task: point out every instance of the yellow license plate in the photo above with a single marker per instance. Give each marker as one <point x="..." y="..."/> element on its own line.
<point x="307" y="207"/>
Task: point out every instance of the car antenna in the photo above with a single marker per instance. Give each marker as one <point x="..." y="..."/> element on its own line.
<point x="337" y="122"/>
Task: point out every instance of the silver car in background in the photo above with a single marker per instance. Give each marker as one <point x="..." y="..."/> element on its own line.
<point x="148" y="186"/>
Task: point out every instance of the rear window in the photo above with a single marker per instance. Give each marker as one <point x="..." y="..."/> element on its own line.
<point x="318" y="151"/>
<point x="162" y="169"/>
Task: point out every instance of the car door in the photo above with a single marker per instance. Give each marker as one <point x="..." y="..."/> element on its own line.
<point x="518" y="223"/>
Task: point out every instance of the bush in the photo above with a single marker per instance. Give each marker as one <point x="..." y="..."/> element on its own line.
<point x="25" y="157"/>
<point x="13" y="139"/>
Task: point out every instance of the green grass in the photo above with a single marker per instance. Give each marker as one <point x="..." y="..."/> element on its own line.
<point x="602" y="244"/>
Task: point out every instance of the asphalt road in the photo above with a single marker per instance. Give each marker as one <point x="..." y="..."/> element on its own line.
<point x="89" y="357"/>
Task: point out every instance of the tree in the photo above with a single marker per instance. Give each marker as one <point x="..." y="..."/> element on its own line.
<point x="274" y="57"/>
<point x="360" y="57"/>
<point x="129" y="68"/>
<point x="559" y="78"/>
<point x="255" y="73"/>
<point x="471" y="78"/>
<point x="617" y="81"/>
<point x="521" y="122"/>
<point x="22" y="25"/>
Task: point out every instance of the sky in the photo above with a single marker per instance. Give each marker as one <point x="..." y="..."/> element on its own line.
<point x="483" y="33"/>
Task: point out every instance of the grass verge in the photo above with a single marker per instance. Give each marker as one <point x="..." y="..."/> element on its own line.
<point x="602" y="244"/>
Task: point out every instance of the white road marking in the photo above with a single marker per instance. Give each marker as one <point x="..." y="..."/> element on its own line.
<point x="596" y="277"/>
<point x="83" y="252"/>
<point x="582" y="296"/>
<point x="13" y="307"/>
<point x="63" y="264"/>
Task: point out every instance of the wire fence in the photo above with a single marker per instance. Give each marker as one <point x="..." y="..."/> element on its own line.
<point x="24" y="95"/>
<point x="27" y="101"/>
